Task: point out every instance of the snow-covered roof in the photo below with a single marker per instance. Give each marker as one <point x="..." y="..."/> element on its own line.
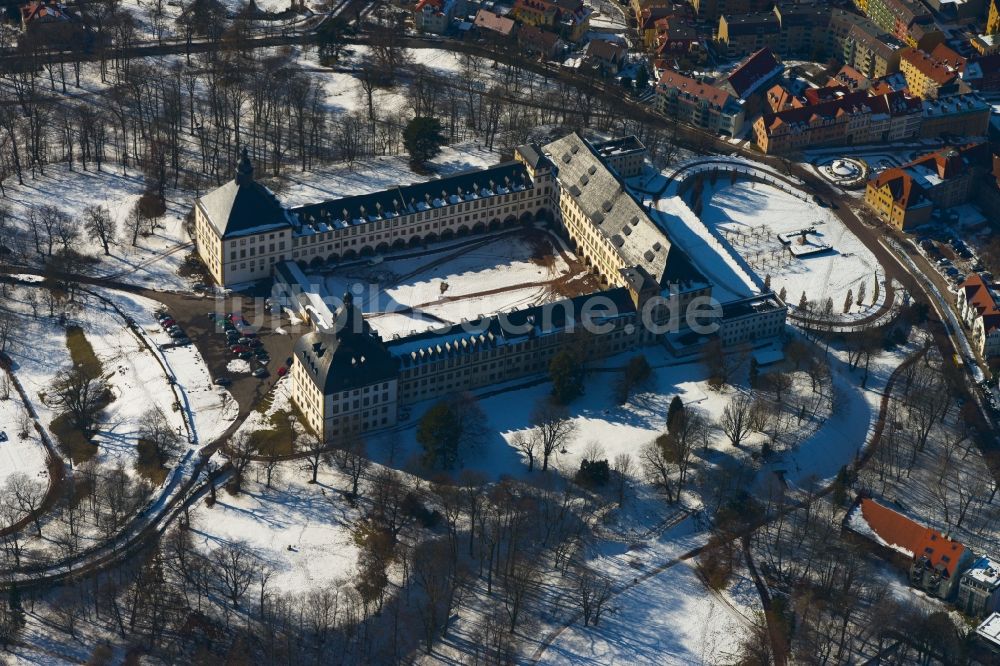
<point x="985" y="571"/>
<point x="989" y="630"/>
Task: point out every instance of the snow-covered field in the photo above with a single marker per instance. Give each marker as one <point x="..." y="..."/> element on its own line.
<point x="16" y="454"/>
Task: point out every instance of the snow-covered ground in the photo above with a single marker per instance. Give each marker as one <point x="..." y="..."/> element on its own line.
<point x="452" y="282"/>
<point x="16" y="454"/>
<point x="155" y="258"/>
<point x="744" y="207"/>
<point x="302" y="531"/>
<point x="668" y="618"/>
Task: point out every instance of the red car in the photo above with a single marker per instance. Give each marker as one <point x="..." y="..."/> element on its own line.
<point x="167" y="323"/>
<point x="239" y="349"/>
<point x="282" y="371"/>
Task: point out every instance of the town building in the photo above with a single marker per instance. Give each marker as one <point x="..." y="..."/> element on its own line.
<point x="955" y="115"/>
<point x="978" y="306"/>
<point x="926" y="76"/>
<point x="675" y="38"/>
<point x="436" y="16"/>
<point x="537" y="42"/>
<point x="647" y="22"/>
<point x="993" y="18"/>
<point x="958" y="10"/>
<point x="568" y="18"/>
<point x="803" y="29"/>
<point x="700" y="104"/>
<point x="741" y="34"/>
<point x="905" y="196"/>
<point x="979" y="588"/>
<point x="709" y="11"/>
<point x="493" y="24"/>
<point x="935" y="562"/>
<point x="856" y="41"/>
<point x="606" y="56"/>
<point x="989" y="633"/>
<point x="845" y="118"/>
<point x="751" y="79"/>
<point x="906" y="20"/>
<point x="346" y="379"/>
<point x="40" y="15"/>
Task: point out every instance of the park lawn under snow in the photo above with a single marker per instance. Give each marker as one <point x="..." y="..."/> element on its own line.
<point x="659" y="616"/>
<point x="152" y="262"/>
<point x="137" y="379"/>
<point x="16" y="454"/>
<point x="303" y="531"/>
<point x="744" y="205"/>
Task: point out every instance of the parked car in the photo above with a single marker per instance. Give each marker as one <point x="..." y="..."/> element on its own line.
<point x="223" y="381"/>
<point x="282" y="371"/>
<point x="239" y="349"/>
<point x="255" y="342"/>
<point x="245" y="341"/>
<point x="246" y="356"/>
<point x="260" y="373"/>
<point x="182" y="341"/>
<point x="167" y="323"/>
<point x="178" y="334"/>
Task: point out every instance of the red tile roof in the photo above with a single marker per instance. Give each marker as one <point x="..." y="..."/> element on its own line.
<point x="896" y="529"/>
<point x="704" y="91"/>
<point x="936" y="71"/>
<point x="980" y="297"/>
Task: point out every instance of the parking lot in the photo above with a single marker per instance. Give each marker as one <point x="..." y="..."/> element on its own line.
<point x="201" y="318"/>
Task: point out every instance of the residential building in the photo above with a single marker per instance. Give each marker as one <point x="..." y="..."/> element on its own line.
<point x="906" y="20"/>
<point x="978" y="304"/>
<point x="898" y="200"/>
<point x="647" y="22"/>
<point x="983" y="72"/>
<point x="989" y="633"/>
<point x="710" y="11"/>
<point x="569" y="18"/>
<point x="436" y="15"/>
<point x="803" y="29"/>
<point x="856" y="41"/>
<point x="750" y="80"/>
<point x="934" y="561"/>
<point x="840" y="118"/>
<point x="955" y="115"/>
<point x="491" y="23"/>
<point x="537" y="42"/>
<point x="675" y="37"/>
<point x="905" y="196"/>
<point x="958" y="10"/>
<point x="850" y="78"/>
<point x="699" y="104"/>
<point x="927" y="77"/>
<point x="606" y="56"/>
<point x="979" y="588"/>
<point x="741" y="34"/>
<point x="41" y="14"/>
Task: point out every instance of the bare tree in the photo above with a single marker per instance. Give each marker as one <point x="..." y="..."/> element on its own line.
<point x="593" y="592"/>
<point x="101" y="225"/>
<point x="28" y="495"/>
<point x="235" y="566"/>
<point x="624" y="468"/>
<point x="553" y="428"/>
<point x="527" y="443"/>
<point x="315" y="453"/>
<point x="353" y="461"/>
<point x="82" y="394"/>
<point x="737" y="418"/>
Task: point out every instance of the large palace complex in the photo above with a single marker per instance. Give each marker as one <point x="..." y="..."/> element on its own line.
<point x="347" y="379"/>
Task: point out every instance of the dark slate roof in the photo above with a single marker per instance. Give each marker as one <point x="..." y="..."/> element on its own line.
<point x="243" y="206"/>
<point x="533" y="155"/>
<point x="402" y="200"/>
<point x="748" y="76"/>
<point x="351" y="357"/>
